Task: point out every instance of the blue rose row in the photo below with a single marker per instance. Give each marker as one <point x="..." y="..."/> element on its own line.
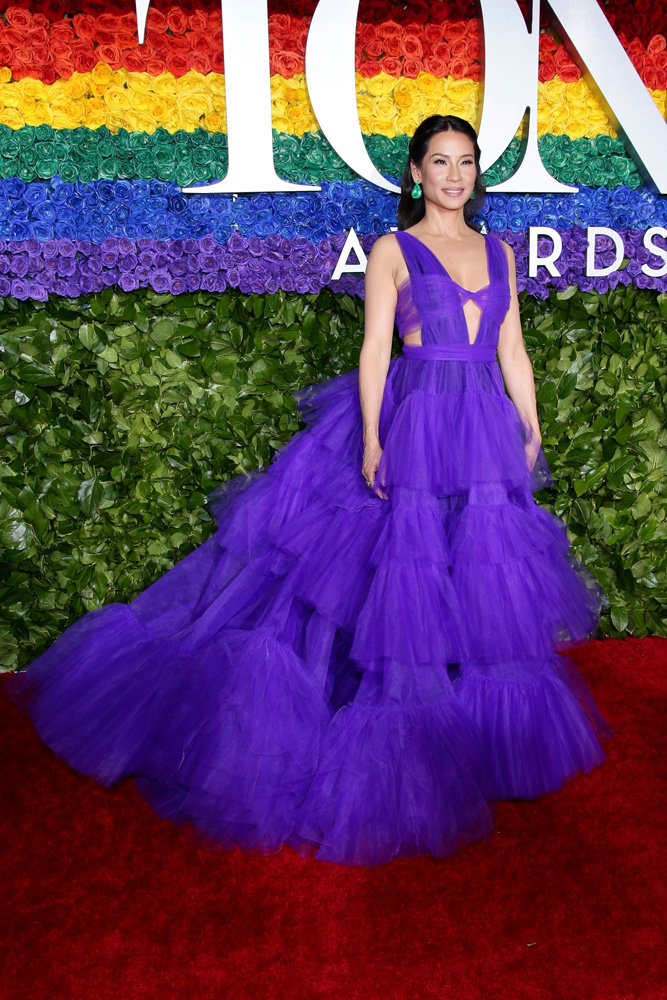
<point x="34" y="269"/>
<point x="158" y="210"/>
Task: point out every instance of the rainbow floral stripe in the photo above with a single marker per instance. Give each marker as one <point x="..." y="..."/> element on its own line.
<point x="98" y="134"/>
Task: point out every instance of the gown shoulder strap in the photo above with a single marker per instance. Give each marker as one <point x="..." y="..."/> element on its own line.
<point x="498" y="269"/>
<point x="418" y="258"/>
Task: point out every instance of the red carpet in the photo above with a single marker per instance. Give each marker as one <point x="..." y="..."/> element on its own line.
<point x="100" y="899"/>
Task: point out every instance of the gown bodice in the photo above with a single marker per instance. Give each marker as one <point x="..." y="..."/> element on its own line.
<point x="431" y="301"/>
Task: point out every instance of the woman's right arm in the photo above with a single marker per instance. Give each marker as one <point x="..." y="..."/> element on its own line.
<point x="379" y="311"/>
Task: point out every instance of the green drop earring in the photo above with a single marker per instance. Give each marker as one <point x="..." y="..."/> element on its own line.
<point x="416" y="190"/>
<point x="473" y="195"/>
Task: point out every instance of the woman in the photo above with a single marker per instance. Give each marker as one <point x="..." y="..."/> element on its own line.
<point x="360" y="665"/>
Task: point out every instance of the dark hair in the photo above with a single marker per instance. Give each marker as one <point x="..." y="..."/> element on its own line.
<point x="411" y="210"/>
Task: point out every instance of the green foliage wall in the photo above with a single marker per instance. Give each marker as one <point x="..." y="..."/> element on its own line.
<point x="119" y="413"/>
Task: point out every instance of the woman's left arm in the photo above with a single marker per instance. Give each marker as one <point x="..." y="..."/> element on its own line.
<point x="517" y="369"/>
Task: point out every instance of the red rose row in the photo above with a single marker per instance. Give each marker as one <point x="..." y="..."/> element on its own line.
<point x="178" y="39"/>
<point x="641" y="19"/>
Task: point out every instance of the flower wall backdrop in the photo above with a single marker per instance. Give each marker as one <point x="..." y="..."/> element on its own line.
<point x="98" y="134"/>
<point x="150" y="341"/>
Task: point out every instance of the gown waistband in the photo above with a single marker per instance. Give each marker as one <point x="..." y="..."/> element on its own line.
<point x="450" y="352"/>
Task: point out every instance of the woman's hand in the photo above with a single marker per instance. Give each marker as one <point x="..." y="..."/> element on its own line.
<point x="369" y="466"/>
<point x="532" y="445"/>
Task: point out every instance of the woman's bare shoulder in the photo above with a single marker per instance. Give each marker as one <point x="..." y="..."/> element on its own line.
<point x="385" y="252"/>
<point x="386" y="245"/>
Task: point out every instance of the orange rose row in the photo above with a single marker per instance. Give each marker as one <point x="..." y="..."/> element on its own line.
<point x="33" y="46"/>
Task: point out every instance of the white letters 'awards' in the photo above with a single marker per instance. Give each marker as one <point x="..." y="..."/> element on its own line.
<point x="534" y="261"/>
<point x="592" y="233"/>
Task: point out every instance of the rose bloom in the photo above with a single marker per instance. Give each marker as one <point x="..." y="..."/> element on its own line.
<point x="203" y="43"/>
<point x="649" y="76"/>
<point x="433" y="33"/>
<point x="127" y="40"/>
<point x="367" y="34"/>
<point x="11" y="118"/>
<point x="177" y="63"/>
<point x="567" y="70"/>
<point x="214" y="122"/>
<point x="134" y="61"/>
<point x="155" y="20"/>
<point x="177" y="21"/>
<point x="108" y="22"/>
<point x="34" y="88"/>
<point x="18" y="18"/>
<point x="421" y="12"/>
<point x="60" y="47"/>
<point x="430" y="85"/>
<point x="381" y="85"/>
<point x="111" y="54"/>
<point x="459" y="48"/>
<point x="13" y="37"/>
<point x="435" y="66"/>
<point x="141" y="101"/>
<point x="117" y="98"/>
<point x="280" y="23"/>
<point x="288" y="63"/>
<point x="547" y="69"/>
<point x="370" y="68"/>
<point x="22" y="55"/>
<point x="104" y="36"/>
<point x="392" y="46"/>
<point x="577" y="129"/>
<point x="180" y="44"/>
<point x="39" y="36"/>
<point x="391" y="65"/>
<point x="412" y="46"/>
<point x="548" y="45"/>
<point x="41" y="114"/>
<point x="160" y="107"/>
<point x="155" y="66"/>
<point x="158" y="43"/>
<point x="83" y="60"/>
<point x="198" y="21"/>
<point x="442" y="51"/>
<point x="200" y="62"/>
<point x="456" y="29"/>
<point x="102" y="74"/>
<point x="389" y="29"/>
<point x="373" y="48"/>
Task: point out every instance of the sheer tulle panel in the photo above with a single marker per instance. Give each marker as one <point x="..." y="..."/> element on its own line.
<point x="408" y="320"/>
<point x="356" y="811"/>
<point x="460" y="440"/>
<point x="538" y="727"/>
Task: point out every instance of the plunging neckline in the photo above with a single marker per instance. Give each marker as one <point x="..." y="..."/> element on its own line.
<point x="446" y="272"/>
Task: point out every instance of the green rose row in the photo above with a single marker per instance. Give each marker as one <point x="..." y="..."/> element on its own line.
<point x="196" y="157"/>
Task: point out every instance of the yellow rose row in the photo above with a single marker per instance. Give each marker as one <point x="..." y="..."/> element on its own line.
<point x="387" y="105"/>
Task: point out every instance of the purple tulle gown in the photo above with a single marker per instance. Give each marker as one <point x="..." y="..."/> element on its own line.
<point x="358" y="678"/>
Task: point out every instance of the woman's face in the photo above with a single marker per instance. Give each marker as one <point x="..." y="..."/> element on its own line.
<point x="447" y="173"/>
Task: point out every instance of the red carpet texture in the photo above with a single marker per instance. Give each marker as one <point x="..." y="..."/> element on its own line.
<point x="100" y="899"/>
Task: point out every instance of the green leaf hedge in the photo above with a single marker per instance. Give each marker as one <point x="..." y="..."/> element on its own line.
<point x="120" y="412"/>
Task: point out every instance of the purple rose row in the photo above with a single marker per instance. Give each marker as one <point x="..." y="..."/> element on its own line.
<point x="32" y="269"/>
